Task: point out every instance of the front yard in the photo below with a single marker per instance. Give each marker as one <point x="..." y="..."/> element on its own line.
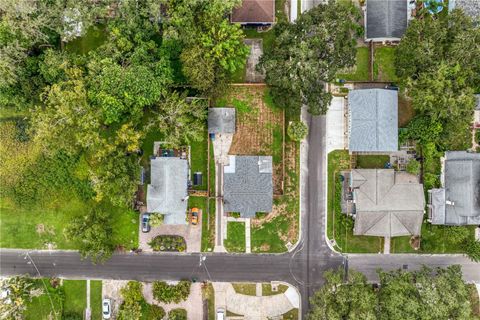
<point x="235" y="241"/>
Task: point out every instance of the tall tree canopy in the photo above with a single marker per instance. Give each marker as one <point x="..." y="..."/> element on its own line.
<point x="438" y="64"/>
<point x="213" y="48"/>
<point x="424" y="294"/>
<point x="307" y="54"/>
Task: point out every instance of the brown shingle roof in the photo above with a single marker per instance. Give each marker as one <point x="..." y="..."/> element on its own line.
<point x="254" y="11"/>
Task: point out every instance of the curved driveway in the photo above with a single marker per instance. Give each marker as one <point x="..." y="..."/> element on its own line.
<point x="303" y="267"/>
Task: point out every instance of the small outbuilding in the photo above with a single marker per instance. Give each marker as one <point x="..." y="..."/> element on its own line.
<point x="221" y="120"/>
<point x="248" y="186"/>
<point x="386" y="20"/>
<point x="387" y="203"/>
<point x="254" y="12"/>
<point x="458" y="201"/>
<point x="373" y="120"/>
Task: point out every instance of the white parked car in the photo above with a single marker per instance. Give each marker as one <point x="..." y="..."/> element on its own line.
<point x="220" y="314"/>
<point x="106" y="308"/>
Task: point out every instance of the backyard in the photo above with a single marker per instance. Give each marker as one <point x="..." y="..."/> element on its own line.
<point x="372" y="161"/>
<point x="359" y="72"/>
<point x="384" y="64"/>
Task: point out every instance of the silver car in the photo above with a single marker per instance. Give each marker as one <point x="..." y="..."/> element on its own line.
<point x="145" y="222"/>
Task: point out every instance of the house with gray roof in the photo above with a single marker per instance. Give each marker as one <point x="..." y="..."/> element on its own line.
<point x="248" y="186"/>
<point x="458" y="201"/>
<point x="386" y="20"/>
<point x="254" y="12"/>
<point x="469" y="7"/>
<point x="387" y="203"/>
<point x="221" y="120"/>
<point x="373" y="120"/>
<point x="167" y="192"/>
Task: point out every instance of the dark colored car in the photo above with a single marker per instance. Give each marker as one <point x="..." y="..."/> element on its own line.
<point x="145" y="222"/>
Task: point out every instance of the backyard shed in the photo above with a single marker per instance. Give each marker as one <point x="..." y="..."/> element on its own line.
<point x="221" y="120"/>
<point x="248" y="186"/>
<point x="167" y="193"/>
<point x="254" y="12"/>
<point x="386" y="20"/>
<point x="373" y="120"/>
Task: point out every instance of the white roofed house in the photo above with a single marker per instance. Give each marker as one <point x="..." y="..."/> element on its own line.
<point x="167" y="192"/>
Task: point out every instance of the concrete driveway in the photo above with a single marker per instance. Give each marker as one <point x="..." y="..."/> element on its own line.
<point x="336" y="135"/>
<point x="192" y="234"/>
<point x="256" y="51"/>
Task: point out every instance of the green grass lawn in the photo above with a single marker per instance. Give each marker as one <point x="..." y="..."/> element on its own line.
<point x="75" y="296"/>
<point x="96" y="299"/>
<point x="291" y="315"/>
<point x="384" y="64"/>
<point x="211" y="177"/>
<point x="268" y="37"/>
<point x="199" y="158"/>
<point x="249" y="289"/>
<point x="267" y="289"/>
<point x="346" y="242"/>
<point x="208" y="295"/>
<point x="361" y="69"/>
<point x="35" y="227"/>
<point x="95" y="36"/>
<point x="266" y="238"/>
<point x="235" y="241"/>
<point x="208" y="228"/>
<point x="47" y="306"/>
<point x="372" y="161"/>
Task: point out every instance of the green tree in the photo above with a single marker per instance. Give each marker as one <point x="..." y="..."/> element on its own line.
<point x="131" y="308"/>
<point x="167" y="293"/>
<point x="94" y="233"/>
<point x="297" y="130"/>
<point x="156" y="219"/>
<point x="213" y="47"/>
<point x="19" y="289"/>
<point x="179" y="120"/>
<point x="155" y="312"/>
<point x="472" y="249"/>
<point x="413" y="167"/>
<point x="340" y="298"/>
<point x="177" y="314"/>
<point x="307" y="54"/>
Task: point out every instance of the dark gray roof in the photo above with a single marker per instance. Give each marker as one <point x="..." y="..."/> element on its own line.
<point x="373" y="120"/>
<point x="167" y="191"/>
<point x="470" y="7"/>
<point x="221" y="120"/>
<point x="387" y="203"/>
<point x="386" y="19"/>
<point x="458" y="202"/>
<point x="248" y="187"/>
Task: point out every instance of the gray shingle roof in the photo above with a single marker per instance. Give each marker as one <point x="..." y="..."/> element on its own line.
<point x="248" y="187"/>
<point x="458" y="203"/>
<point x="387" y="203"/>
<point x="386" y="19"/>
<point x="373" y="120"/>
<point x="469" y="7"/>
<point x="221" y="120"/>
<point x="167" y="190"/>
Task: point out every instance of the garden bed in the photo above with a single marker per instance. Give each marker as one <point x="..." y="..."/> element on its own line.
<point x="168" y="243"/>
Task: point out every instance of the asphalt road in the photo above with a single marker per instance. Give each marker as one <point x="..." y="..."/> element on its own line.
<point x="303" y="267"/>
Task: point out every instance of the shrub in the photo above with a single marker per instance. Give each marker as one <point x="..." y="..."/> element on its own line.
<point x="155" y="312"/>
<point x="177" y="314"/>
<point x="72" y="316"/>
<point x="472" y="249"/>
<point x="477" y="136"/>
<point x="167" y="293"/>
<point x="297" y="130"/>
<point x="413" y="167"/>
<point x="170" y="243"/>
<point x="133" y="298"/>
<point x="156" y="219"/>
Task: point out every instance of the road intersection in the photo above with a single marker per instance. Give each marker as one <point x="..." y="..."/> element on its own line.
<point x="302" y="267"/>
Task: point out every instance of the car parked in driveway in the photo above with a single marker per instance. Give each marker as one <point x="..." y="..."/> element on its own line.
<point x="194" y="216"/>
<point x="106" y="308"/>
<point x="145" y="222"/>
<point x="220" y="314"/>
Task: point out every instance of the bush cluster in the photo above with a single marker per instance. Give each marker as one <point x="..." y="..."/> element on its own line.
<point x="170" y="243"/>
<point x="167" y="293"/>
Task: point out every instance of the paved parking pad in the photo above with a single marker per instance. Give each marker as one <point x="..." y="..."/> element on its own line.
<point x="192" y="234"/>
